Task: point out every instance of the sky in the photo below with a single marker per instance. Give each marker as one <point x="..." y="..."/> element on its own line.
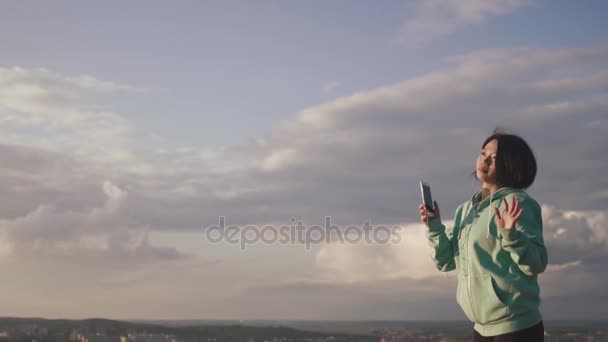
<point x="127" y="129"/>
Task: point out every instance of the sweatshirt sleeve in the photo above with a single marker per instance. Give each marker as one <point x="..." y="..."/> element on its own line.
<point x="525" y="241"/>
<point x="443" y="243"/>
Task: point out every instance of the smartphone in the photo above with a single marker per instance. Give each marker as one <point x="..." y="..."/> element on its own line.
<point x="425" y="190"/>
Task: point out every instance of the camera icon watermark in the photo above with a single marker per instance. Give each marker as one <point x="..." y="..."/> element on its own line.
<point x="298" y="233"/>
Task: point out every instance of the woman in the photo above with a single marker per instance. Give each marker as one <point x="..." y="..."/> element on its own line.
<point x="496" y="245"/>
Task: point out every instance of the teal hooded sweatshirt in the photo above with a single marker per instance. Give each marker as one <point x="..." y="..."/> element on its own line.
<point x="497" y="268"/>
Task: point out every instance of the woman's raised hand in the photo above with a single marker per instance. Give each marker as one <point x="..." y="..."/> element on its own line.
<point x="424" y="216"/>
<point x="510" y="215"/>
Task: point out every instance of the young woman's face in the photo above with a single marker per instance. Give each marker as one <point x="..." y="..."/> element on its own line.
<point x="486" y="163"/>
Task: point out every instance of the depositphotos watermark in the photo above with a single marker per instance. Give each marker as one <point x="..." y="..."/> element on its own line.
<point x="301" y="234"/>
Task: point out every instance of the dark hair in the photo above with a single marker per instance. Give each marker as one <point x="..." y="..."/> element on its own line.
<point x="515" y="161"/>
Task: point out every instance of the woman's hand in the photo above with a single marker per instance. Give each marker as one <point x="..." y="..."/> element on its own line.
<point x="424" y="215"/>
<point x="509" y="217"/>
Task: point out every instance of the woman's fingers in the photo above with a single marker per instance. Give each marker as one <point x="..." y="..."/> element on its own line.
<point x="518" y="214"/>
<point x="514" y="206"/>
<point x="497" y="213"/>
<point x="423" y="215"/>
<point x="506" y="204"/>
<point x="422" y="208"/>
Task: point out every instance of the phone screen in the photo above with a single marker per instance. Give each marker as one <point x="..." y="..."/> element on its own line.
<point x="426" y="197"/>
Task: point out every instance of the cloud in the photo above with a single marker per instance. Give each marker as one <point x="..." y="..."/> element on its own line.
<point x="436" y="18"/>
<point x="92" y="83"/>
<point x="406" y="298"/>
<point x="328" y="87"/>
<point x="574" y="235"/>
<point x="276" y="159"/>
<point x="104" y="231"/>
<point x="42" y="108"/>
<point x="564" y="266"/>
<point x="410" y="258"/>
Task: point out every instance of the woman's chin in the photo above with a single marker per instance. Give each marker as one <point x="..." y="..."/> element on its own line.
<point x="483" y="177"/>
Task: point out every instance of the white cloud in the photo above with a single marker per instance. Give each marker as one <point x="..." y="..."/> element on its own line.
<point x="573" y="236"/>
<point x="564" y="266"/>
<point x="53" y="111"/>
<point x="49" y="232"/>
<point x="330" y="86"/>
<point x="435" y="18"/>
<point x="576" y="227"/>
<point x="410" y="258"/>
<point x="278" y="159"/>
<point x="92" y="83"/>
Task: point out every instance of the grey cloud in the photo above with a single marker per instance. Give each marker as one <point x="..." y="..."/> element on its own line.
<point x="46" y="230"/>
<point x="575" y="235"/>
<point x="40" y="108"/>
<point x="434" y="18"/>
<point x="383" y="299"/>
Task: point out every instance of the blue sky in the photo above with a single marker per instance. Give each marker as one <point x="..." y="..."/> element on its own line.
<point x="127" y="127"/>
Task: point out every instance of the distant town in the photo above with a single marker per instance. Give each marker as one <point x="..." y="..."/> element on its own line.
<point x="103" y="330"/>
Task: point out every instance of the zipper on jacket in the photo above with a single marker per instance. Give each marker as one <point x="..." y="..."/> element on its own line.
<point x="469" y="292"/>
<point x="469" y="268"/>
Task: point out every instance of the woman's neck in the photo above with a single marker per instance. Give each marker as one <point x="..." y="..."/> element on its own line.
<point x="488" y="189"/>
